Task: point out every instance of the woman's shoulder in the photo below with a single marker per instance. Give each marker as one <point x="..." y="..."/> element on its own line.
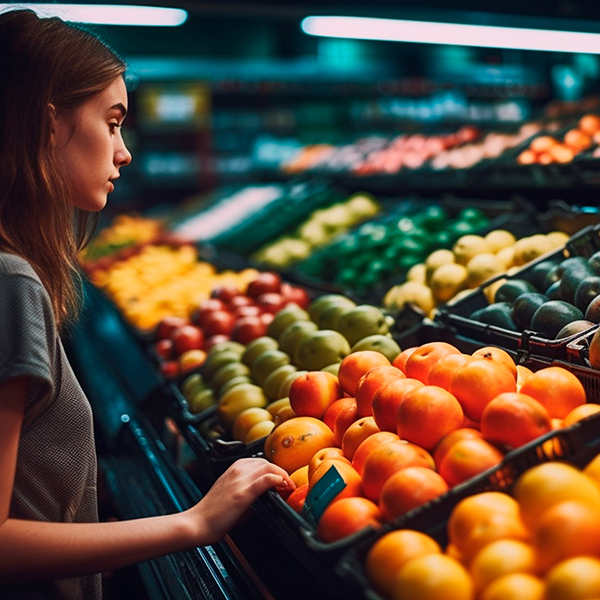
<point x="11" y="264"/>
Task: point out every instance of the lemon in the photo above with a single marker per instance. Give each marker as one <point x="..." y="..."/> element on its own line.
<point x="468" y="246"/>
<point x="529" y="248"/>
<point x="410" y="292"/>
<point x="447" y="280"/>
<point x="499" y="238"/>
<point x="437" y="259"/>
<point x="482" y="267"/>
<point x="506" y="256"/>
<point x="417" y="273"/>
<point x="558" y="238"/>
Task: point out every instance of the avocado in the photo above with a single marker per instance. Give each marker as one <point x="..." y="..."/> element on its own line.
<point x="498" y="314"/>
<point x="553" y="292"/>
<point x="586" y="291"/>
<point x="552" y="316"/>
<point x="592" y="312"/>
<point x="594" y="262"/>
<point x="573" y="328"/>
<point x="542" y="274"/>
<point x="511" y="289"/>
<point x="575" y="270"/>
<point x="525" y="306"/>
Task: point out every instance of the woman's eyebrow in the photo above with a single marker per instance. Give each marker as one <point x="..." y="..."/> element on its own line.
<point x="120" y="107"/>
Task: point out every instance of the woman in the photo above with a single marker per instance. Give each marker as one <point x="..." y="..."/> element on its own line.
<point x="62" y="104"/>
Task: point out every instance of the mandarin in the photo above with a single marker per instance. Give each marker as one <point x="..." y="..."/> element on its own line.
<point x="339" y="406"/>
<point x="387" y="400"/>
<point x="421" y="361"/>
<point x="498" y="355"/>
<point x="574" y="579"/>
<point x="557" y="389"/>
<point x="347" y="516"/>
<point x="347" y="473"/>
<point x="345" y="417"/>
<point x="449" y="439"/>
<point x="441" y="373"/>
<point x="408" y="489"/>
<point x="515" y="586"/>
<point x="370" y="383"/>
<point x="312" y="393"/>
<point x="356" y="433"/>
<point x="426" y="414"/>
<point x="293" y="443"/>
<point x="367" y="446"/>
<point x="297" y="498"/>
<point x="513" y="419"/>
<point x="391" y="552"/>
<point x="477" y="382"/>
<point x="580" y="412"/>
<point x="400" y="361"/>
<point x="356" y="364"/>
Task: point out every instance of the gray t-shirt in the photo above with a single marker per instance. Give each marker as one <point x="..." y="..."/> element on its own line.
<point x="55" y="478"/>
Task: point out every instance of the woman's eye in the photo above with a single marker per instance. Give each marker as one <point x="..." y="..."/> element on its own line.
<point x="114" y="126"/>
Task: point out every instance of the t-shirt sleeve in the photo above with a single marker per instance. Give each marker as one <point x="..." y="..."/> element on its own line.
<point x="26" y="333"/>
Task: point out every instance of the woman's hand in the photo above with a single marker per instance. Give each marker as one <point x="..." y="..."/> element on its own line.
<point x="232" y="494"/>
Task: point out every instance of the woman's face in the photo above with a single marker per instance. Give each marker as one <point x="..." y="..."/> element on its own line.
<point x="91" y="148"/>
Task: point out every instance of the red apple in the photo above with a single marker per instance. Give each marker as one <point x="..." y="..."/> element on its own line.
<point x="271" y="302"/>
<point x="169" y="369"/>
<point x="296" y="294"/>
<point x="265" y="282"/>
<point x="187" y="337"/>
<point x="225" y="292"/>
<point x="248" y="328"/>
<point x="246" y="311"/>
<point x="167" y="325"/>
<point x="206" y="307"/>
<point x="164" y="348"/>
<point x="218" y="321"/>
<point x="240" y="300"/>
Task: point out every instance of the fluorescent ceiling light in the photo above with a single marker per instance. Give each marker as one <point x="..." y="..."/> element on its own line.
<point x="107" y="14"/>
<point x="429" y="32"/>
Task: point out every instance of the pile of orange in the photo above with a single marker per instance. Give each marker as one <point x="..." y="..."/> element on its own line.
<point x="402" y="433"/>
<point x="540" y="543"/>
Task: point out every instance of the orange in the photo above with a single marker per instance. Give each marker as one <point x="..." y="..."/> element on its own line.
<point x="400" y="361"/>
<point x="313" y="392"/>
<point x="421" y="361"/>
<point x="467" y="458"/>
<point x="577" y="139"/>
<point x="366" y="446"/>
<point x="542" y="143"/>
<point x="369" y="383"/>
<point x="300" y="476"/>
<point x="523" y="374"/>
<point x="574" y="579"/>
<point x="409" y="488"/>
<point x="356" y="433"/>
<point x="339" y="406"/>
<point x="477" y="382"/>
<point x="589" y="124"/>
<point x="501" y="558"/>
<point x="557" y="389"/>
<point x="527" y="157"/>
<point x="565" y="530"/>
<point x="426" y="414"/>
<point x="346" y="517"/>
<point x="484" y="518"/>
<point x="580" y="412"/>
<point x="384" y="461"/>
<point x="512" y="419"/>
<point x="592" y="470"/>
<point x="296" y="499"/>
<point x="441" y="372"/>
<point x="355" y="365"/>
<point x="515" y="586"/>
<point x="344" y="418"/>
<point x="498" y="355"/>
<point x="293" y="443"/>
<point x="392" y="551"/>
<point x="321" y="455"/>
<point x="544" y="485"/>
<point x="431" y="577"/>
<point x="387" y="400"/>
<point x="446" y="442"/>
<point x="347" y="473"/>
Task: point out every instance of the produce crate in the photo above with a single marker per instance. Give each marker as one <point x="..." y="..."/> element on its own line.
<point x="456" y="315"/>
<point x="576" y="445"/>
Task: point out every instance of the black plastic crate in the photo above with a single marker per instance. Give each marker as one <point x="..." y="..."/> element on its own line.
<point x="576" y="445"/>
<point x="456" y="315"/>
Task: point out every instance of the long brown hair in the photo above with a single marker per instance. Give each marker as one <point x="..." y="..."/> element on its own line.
<point x="44" y="63"/>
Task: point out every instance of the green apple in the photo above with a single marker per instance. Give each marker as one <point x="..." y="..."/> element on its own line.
<point x="274" y="379"/>
<point x="362" y="321"/>
<point x="383" y="343"/>
<point x="285" y="317"/>
<point x="293" y="334"/>
<point x="192" y="384"/>
<point x="313" y="232"/>
<point x="256" y="347"/>
<point x="320" y="349"/>
<point x="322" y="303"/>
<point x="217" y="360"/>
<point x="266" y="362"/>
<point x="227" y="372"/>
<point x="237" y="380"/>
<point x="330" y="317"/>
<point x="202" y="400"/>
<point x="333" y="368"/>
<point x="237" y="399"/>
<point x="229" y="345"/>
